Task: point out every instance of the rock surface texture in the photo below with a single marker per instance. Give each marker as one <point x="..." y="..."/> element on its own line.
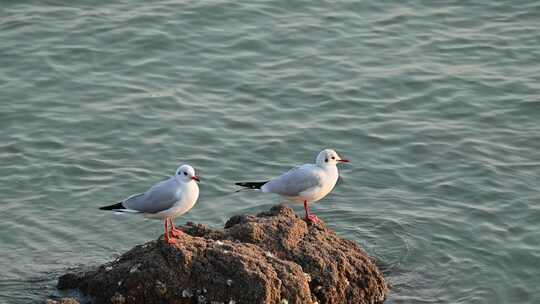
<point x="274" y="257"/>
<point x="62" y="301"/>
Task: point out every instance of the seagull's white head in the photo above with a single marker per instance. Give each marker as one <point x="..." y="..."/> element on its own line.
<point x="185" y="174"/>
<point x="329" y="157"/>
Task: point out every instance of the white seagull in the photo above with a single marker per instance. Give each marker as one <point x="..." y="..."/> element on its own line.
<point x="304" y="184"/>
<point x="165" y="200"/>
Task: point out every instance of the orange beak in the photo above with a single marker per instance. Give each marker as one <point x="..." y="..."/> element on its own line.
<point x="196" y="178"/>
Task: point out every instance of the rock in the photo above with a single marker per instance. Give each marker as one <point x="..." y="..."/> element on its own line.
<point x="62" y="301"/>
<point x="274" y="257"/>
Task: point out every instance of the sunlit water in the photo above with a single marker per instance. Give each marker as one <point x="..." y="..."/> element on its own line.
<point x="437" y="105"/>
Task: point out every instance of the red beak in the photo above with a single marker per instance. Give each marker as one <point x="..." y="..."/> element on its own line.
<point x="196" y="178"/>
<point x="343" y="160"/>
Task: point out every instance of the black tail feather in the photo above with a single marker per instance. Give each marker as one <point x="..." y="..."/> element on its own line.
<point x="112" y="207"/>
<point x="251" y="185"/>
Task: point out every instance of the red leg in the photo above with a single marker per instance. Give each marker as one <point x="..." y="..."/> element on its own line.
<point x="175" y="232"/>
<point x="168" y="240"/>
<point x="309" y="217"/>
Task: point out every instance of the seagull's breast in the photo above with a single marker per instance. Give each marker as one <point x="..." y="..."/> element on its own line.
<point x="328" y="177"/>
<point x="187" y="197"/>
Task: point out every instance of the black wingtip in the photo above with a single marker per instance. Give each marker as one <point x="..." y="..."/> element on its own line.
<point x="113" y="207"/>
<point x="251" y="185"/>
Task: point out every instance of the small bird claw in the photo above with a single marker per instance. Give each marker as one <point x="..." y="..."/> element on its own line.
<point x="170" y="241"/>
<point x="312" y="219"/>
<point x="176" y="232"/>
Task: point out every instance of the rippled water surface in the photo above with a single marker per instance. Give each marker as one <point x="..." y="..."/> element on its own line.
<point x="437" y="103"/>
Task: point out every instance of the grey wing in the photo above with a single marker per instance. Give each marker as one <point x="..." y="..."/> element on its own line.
<point x="160" y="197"/>
<point x="295" y="181"/>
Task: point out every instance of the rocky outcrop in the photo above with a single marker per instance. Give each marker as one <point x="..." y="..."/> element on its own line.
<point x="62" y="301"/>
<point x="274" y="257"/>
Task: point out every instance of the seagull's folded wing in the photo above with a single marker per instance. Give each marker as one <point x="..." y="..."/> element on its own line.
<point x="160" y="197"/>
<point x="295" y="181"/>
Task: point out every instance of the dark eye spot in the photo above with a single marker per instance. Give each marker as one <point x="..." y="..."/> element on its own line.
<point x="333" y="157"/>
<point x="185" y="173"/>
<point x="326" y="160"/>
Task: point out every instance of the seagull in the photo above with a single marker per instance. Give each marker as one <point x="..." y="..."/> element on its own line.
<point x="307" y="183"/>
<point x="165" y="200"/>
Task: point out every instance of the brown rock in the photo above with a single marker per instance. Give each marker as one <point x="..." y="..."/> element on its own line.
<point x="274" y="257"/>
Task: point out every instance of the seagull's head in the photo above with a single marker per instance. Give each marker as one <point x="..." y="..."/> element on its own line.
<point x="329" y="157"/>
<point x="186" y="173"/>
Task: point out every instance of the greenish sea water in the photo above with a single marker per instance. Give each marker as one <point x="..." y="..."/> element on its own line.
<point x="437" y="104"/>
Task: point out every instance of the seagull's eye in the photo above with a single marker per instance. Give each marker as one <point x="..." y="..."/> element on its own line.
<point x="185" y="173"/>
<point x="326" y="160"/>
<point x="333" y="157"/>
